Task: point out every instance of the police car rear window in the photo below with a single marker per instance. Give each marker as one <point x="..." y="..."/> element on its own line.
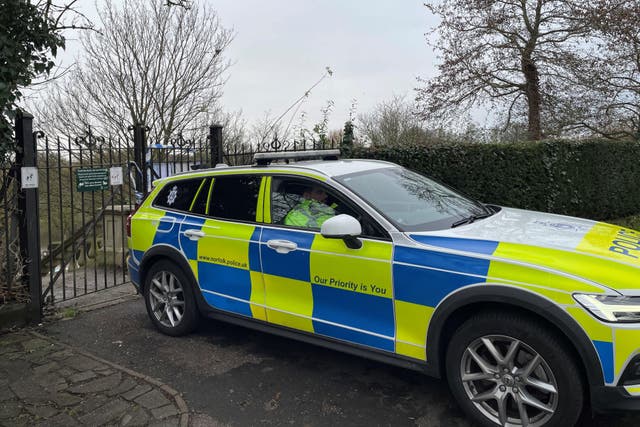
<point x="235" y="197"/>
<point x="199" y="205"/>
<point x="178" y="195"/>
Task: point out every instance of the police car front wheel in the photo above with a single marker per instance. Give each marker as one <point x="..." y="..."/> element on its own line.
<point x="508" y="370"/>
<point x="169" y="299"/>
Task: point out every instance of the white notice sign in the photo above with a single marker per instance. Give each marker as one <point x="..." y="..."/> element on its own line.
<point x="29" y="177"/>
<point x="115" y="175"/>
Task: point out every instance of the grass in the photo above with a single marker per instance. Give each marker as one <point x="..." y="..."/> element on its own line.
<point x="69" y="313"/>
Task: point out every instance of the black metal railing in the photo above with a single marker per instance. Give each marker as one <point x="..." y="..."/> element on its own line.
<point x="10" y="287"/>
<point x="66" y="238"/>
<point x="83" y="213"/>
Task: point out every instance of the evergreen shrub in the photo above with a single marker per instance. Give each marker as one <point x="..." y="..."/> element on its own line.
<point x="595" y="179"/>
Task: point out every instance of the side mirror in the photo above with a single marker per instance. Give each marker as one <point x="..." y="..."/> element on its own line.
<point x="343" y="227"/>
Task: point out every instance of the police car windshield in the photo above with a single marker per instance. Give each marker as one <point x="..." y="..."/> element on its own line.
<point x="411" y="201"/>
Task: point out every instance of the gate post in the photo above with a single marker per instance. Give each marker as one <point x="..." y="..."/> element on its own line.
<point x="215" y="143"/>
<point x="29" y="223"/>
<point x="140" y="157"/>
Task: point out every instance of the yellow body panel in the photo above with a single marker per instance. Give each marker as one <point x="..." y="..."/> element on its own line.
<point x="225" y="243"/>
<point x="248" y="171"/>
<point x="543" y="266"/>
<point x="143" y="227"/>
<point x="293" y="301"/>
<point x="366" y="270"/>
<point x="257" y="296"/>
<point x="627" y="344"/>
<point x="610" y="241"/>
<point x="633" y="390"/>
<point x="194" y="268"/>
<point x="261" y="195"/>
<point x="596" y="330"/>
<point x="412" y="322"/>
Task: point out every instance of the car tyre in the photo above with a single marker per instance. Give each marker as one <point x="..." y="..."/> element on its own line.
<point x="169" y="298"/>
<point x="506" y="369"/>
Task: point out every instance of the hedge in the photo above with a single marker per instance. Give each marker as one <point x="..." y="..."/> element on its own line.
<point x="593" y="179"/>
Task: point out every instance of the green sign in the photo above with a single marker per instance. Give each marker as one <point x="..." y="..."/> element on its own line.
<point x="92" y="179"/>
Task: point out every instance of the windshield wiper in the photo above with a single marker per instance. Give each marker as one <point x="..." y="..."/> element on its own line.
<point x="472" y="218"/>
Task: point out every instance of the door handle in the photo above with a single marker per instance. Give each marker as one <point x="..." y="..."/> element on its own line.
<point x="194" y="234"/>
<point x="282" y="246"/>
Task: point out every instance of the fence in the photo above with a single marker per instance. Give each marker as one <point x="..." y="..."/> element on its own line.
<point x="64" y="235"/>
<point x="9" y="240"/>
<point x="84" y="198"/>
<point x="89" y="185"/>
<point x="19" y="247"/>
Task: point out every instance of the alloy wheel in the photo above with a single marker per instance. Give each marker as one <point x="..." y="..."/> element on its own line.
<point x="166" y="296"/>
<point x="508" y="381"/>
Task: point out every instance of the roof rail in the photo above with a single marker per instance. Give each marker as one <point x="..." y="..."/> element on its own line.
<point x="263" y="159"/>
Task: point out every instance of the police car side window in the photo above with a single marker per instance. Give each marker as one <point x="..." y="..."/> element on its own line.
<point x="286" y="194"/>
<point x="199" y="205"/>
<point x="235" y="197"/>
<point x="288" y="197"/>
<point x="178" y="195"/>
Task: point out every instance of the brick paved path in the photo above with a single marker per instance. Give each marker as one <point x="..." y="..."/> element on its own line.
<point x="47" y="383"/>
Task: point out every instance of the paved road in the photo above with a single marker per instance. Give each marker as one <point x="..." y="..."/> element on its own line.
<point x="235" y="376"/>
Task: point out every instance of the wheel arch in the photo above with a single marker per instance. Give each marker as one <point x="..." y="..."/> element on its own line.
<point x="159" y="252"/>
<point x="458" y="307"/>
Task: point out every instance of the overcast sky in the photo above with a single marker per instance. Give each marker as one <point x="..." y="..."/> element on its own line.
<point x="376" y="49"/>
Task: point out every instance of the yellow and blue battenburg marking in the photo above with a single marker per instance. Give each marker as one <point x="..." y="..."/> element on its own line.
<point x="316" y="288"/>
<point x="423" y="278"/>
<point x="353" y="292"/>
<point x="437" y="274"/>
<point x="228" y="267"/>
<point x="321" y="289"/>
<point x="383" y="297"/>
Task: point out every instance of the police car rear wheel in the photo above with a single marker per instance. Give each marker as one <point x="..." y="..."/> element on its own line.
<point x="507" y="370"/>
<point x="169" y="299"/>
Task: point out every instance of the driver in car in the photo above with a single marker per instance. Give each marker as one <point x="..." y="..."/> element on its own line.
<point x="312" y="210"/>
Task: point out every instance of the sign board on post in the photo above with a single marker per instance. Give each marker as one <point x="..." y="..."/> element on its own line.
<point x="29" y="177"/>
<point x="92" y="179"/>
<point x="115" y="175"/>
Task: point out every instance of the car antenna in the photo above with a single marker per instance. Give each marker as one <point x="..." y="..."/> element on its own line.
<point x="328" y="73"/>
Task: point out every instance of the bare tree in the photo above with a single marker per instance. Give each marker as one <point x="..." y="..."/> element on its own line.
<point x="610" y="83"/>
<point x="63" y="15"/>
<point x="151" y="64"/>
<point x="267" y="133"/>
<point x="392" y="122"/>
<point x="511" y="55"/>
<point x="234" y="125"/>
<point x="180" y="3"/>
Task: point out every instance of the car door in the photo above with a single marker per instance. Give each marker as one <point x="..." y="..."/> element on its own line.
<point x="319" y="285"/>
<point x="226" y="259"/>
<point x="175" y="200"/>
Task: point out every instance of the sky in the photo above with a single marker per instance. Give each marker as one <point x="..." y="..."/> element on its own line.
<point x="375" y="48"/>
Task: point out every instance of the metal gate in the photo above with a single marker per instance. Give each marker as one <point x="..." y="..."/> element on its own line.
<point x="89" y="184"/>
<point x="66" y="236"/>
<point x="84" y="198"/>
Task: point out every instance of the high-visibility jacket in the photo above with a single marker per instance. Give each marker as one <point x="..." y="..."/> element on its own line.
<point x="309" y="213"/>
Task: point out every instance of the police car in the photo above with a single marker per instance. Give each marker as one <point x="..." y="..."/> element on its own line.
<point x="529" y="316"/>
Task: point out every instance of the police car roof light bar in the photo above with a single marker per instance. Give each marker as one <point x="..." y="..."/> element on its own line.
<point x="263" y="159"/>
